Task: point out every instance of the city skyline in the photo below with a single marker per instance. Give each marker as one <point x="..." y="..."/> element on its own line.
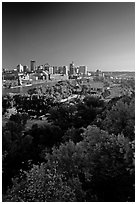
<point x="98" y="35"/>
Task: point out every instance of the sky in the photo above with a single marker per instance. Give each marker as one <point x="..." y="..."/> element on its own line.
<point x="98" y="35"/>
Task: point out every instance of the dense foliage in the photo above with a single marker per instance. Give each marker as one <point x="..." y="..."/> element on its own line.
<point x="83" y="152"/>
<point x="99" y="168"/>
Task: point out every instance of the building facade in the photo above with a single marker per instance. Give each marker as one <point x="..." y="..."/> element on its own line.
<point x="20" y="68"/>
<point x="65" y="70"/>
<point x="32" y="65"/>
<point x="50" y="70"/>
<point x="55" y="70"/>
<point x="82" y="70"/>
<point x="25" y="68"/>
<point x="72" y="69"/>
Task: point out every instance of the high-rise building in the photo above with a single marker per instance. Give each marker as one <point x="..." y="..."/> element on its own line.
<point x="55" y="70"/>
<point x="82" y="70"/>
<point x="20" y="68"/>
<point x="60" y="70"/>
<point x="71" y="69"/>
<point x="32" y="65"/>
<point x="25" y="68"/>
<point x="65" y="70"/>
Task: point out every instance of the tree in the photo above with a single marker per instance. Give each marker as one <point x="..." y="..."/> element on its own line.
<point x="103" y="164"/>
<point x="46" y="135"/>
<point x="98" y="168"/>
<point x="121" y="119"/>
<point x="111" y="164"/>
<point x="73" y="134"/>
<point x="63" y="116"/>
<point x="88" y="110"/>
<point x="13" y="144"/>
<point x="32" y="91"/>
<point x="40" y="185"/>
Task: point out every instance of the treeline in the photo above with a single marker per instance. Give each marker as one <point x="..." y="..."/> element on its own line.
<point x="85" y="153"/>
<point x="37" y="100"/>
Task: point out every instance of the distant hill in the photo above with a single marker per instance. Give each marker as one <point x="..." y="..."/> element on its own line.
<point x="120" y="74"/>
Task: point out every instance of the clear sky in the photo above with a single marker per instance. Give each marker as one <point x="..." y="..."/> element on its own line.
<point x="99" y="35"/>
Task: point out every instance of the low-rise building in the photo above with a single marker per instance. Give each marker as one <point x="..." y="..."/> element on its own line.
<point x="10" y="75"/>
<point x="98" y="73"/>
<point x="40" y="67"/>
<point x="50" y="70"/>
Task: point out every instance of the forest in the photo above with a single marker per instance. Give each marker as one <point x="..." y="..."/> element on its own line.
<point x="84" y="152"/>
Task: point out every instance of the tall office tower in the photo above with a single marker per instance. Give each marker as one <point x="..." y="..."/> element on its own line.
<point x="60" y="70"/>
<point x="65" y="70"/>
<point x="32" y="65"/>
<point x="25" y="68"/>
<point x="82" y="70"/>
<point x="71" y="69"/>
<point x="19" y="68"/>
<point x="55" y="70"/>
